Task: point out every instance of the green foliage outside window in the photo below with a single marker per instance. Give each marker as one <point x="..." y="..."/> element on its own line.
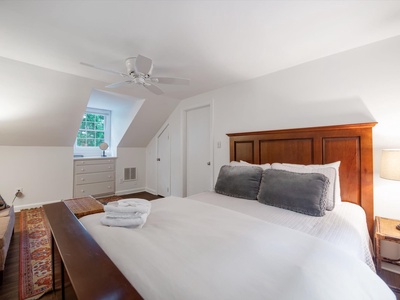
<point x="91" y="131"/>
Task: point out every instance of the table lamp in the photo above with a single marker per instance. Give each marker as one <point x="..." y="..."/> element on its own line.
<point x="390" y="166"/>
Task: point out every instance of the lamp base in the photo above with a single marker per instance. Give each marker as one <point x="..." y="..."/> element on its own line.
<point x="398" y="227"/>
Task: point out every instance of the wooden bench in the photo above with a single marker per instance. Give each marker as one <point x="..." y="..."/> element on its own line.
<point x="92" y="273"/>
<point x="84" y="206"/>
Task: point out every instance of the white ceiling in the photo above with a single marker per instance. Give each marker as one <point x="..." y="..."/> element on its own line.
<point x="214" y="43"/>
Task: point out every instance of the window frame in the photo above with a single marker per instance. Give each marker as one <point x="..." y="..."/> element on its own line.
<point x="95" y="150"/>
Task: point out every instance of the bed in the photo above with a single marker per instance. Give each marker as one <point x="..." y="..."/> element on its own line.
<point x="215" y="246"/>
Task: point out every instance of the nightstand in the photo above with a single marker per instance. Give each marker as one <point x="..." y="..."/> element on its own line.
<point x="385" y="229"/>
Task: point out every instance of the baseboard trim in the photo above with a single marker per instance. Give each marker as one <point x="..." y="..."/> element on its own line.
<point x="18" y="208"/>
<point x="151" y="191"/>
<point x="130" y="191"/>
<point x="137" y="190"/>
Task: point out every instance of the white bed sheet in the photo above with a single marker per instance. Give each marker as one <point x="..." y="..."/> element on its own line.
<point x="345" y="227"/>
<point x="189" y="249"/>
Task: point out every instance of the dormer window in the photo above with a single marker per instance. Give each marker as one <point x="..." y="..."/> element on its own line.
<point x="95" y="129"/>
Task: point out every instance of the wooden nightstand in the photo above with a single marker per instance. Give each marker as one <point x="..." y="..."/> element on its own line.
<point x="385" y="229"/>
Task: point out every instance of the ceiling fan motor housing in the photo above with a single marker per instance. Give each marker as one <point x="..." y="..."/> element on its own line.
<point x="133" y="69"/>
<point x="130" y="63"/>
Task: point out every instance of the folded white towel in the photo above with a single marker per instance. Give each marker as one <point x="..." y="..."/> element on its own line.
<point x="118" y="222"/>
<point x="133" y="202"/>
<point x="129" y="206"/>
<point x="123" y="215"/>
<point x="126" y="213"/>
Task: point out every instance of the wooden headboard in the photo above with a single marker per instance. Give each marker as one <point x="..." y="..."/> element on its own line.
<point x="350" y="144"/>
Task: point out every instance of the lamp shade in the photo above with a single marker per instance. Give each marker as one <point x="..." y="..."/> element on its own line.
<point x="390" y="164"/>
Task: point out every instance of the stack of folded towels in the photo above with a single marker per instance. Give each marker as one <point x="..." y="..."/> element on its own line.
<point x="126" y="213"/>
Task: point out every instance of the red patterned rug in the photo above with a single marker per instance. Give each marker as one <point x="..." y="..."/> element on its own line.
<point x="35" y="268"/>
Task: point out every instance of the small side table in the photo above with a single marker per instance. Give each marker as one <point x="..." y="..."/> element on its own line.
<point x="84" y="206"/>
<point x="385" y="229"/>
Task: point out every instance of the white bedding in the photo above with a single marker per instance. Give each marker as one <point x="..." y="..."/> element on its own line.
<point x="189" y="249"/>
<point x="345" y="227"/>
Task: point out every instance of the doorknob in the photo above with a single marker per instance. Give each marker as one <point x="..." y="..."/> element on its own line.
<point x="209" y="163"/>
<point x="158" y="159"/>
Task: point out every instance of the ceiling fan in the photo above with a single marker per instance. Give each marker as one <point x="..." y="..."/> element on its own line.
<point x="139" y="72"/>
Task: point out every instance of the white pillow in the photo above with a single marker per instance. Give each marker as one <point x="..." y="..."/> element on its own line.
<point x="246" y="164"/>
<point x="235" y="163"/>
<point x="329" y="170"/>
<point x="264" y="166"/>
<point x="335" y="165"/>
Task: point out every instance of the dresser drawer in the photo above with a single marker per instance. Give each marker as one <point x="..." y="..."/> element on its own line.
<point x="94" y="177"/>
<point x="98" y="188"/>
<point x="94" y="168"/>
<point x="94" y="162"/>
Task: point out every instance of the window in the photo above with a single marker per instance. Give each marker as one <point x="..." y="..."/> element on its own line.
<point x="94" y="130"/>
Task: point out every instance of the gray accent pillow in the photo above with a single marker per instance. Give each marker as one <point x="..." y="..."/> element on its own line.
<point x="329" y="172"/>
<point x="304" y="193"/>
<point x="239" y="181"/>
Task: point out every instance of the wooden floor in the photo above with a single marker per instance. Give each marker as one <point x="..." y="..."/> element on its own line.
<point x="392" y="279"/>
<point x="9" y="288"/>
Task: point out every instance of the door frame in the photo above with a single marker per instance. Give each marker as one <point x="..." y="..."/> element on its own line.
<point x="158" y="156"/>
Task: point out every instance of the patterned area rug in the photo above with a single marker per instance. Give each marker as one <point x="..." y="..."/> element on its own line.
<point x="35" y="255"/>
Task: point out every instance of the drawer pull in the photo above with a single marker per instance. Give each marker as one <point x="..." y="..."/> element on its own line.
<point x="83" y="169"/>
<point x="82" y="191"/>
<point x="82" y="179"/>
<point x="109" y="187"/>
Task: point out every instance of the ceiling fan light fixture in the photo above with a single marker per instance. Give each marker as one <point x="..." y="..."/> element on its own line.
<point x="140" y="80"/>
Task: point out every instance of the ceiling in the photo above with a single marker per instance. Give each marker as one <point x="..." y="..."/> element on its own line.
<point x="214" y="43"/>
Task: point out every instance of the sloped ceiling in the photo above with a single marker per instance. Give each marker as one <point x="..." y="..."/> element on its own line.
<point x="214" y="43"/>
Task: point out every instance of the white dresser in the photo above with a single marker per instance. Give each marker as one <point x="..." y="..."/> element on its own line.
<point x="94" y="176"/>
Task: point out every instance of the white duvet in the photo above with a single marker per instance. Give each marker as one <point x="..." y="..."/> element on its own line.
<point x="193" y="250"/>
<point x="345" y="227"/>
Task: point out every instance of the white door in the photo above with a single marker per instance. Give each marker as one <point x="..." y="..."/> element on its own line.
<point x="198" y="151"/>
<point x="164" y="164"/>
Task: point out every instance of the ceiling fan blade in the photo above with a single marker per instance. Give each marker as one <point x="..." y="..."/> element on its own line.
<point x="170" y="80"/>
<point x="154" y="89"/>
<point x="106" y="70"/>
<point x="143" y="65"/>
<point x="118" y="84"/>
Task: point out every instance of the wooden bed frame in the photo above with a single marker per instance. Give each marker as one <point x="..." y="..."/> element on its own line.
<point x="84" y="261"/>
<point x="350" y="144"/>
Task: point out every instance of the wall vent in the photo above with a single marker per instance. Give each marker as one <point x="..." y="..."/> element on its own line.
<point x="129" y="174"/>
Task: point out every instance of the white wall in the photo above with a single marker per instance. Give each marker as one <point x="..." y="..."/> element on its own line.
<point x="130" y="158"/>
<point x="44" y="173"/>
<point x="361" y="85"/>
